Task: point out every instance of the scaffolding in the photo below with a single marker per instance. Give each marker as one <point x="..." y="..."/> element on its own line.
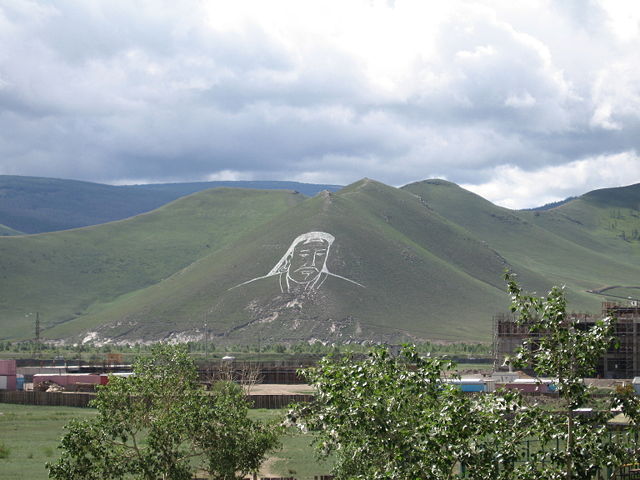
<point x="621" y="360"/>
<point x="624" y="361"/>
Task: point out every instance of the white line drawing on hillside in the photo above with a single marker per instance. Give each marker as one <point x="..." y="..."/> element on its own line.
<point x="303" y="268"/>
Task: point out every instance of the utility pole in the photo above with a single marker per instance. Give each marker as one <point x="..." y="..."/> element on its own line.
<point x="206" y="338"/>
<point x="37" y="340"/>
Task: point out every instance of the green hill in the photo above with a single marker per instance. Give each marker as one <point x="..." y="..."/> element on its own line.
<point x="181" y="189"/>
<point x="8" y="231"/>
<point x="422" y="262"/>
<point x="37" y="205"/>
<point x="422" y="278"/>
<point x="607" y="222"/>
<point x="545" y="247"/>
<point x="63" y="274"/>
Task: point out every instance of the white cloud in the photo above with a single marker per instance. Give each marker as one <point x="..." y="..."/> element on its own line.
<point x="321" y="90"/>
<point x="523" y="100"/>
<point x="623" y="19"/>
<point x="616" y="96"/>
<point x="514" y="187"/>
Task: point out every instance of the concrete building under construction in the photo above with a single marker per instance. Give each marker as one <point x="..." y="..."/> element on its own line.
<point x="621" y="362"/>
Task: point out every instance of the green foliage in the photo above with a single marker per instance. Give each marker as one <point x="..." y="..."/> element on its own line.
<point x="395" y="418"/>
<point x="374" y="417"/>
<point x="568" y="352"/>
<point x="561" y="349"/>
<point x="4" y="451"/>
<point x="159" y="423"/>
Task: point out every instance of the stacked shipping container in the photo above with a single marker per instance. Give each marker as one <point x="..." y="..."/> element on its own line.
<point x="66" y="379"/>
<point x="7" y="374"/>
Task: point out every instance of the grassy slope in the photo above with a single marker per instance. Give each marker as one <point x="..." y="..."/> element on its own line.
<point x="607" y="222"/>
<point x="412" y="261"/>
<point x="37" y="205"/>
<point x="62" y="274"/>
<point x="546" y="248"/>
<point x="431" y="256"/>
<point x="308" y="189"/>
<point x="8" y="231"/>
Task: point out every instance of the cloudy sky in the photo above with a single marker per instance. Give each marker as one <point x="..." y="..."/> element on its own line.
<point x="523" y="102"/>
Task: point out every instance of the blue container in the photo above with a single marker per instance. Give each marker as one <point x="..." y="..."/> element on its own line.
<point x="472" y="387"/>
<point x="469" y="385"/>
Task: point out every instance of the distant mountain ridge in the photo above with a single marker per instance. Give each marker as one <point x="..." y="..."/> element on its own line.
<point x="187" y="188"/>
<point x="549" y="206"/>
<point x="31" y="205"/>
<point x="36" y="205"/>
<point x="367" y="262"/>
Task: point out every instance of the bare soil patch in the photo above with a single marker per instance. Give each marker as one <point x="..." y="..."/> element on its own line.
<point x="277" y="389"/>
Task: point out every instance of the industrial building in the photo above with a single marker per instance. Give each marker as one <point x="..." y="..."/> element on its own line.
<point x="620" y="362"/>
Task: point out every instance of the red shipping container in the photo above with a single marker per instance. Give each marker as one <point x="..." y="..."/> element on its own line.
<point x="7" y="367"/>
<point x="528" y="387"/>
<point x="64" y="379"/>
<point x="7" y="382"/>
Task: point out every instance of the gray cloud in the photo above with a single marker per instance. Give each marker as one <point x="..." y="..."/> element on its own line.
<point x="120" y="90"/>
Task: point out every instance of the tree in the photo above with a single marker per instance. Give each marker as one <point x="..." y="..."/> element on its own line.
<point x="160" y="424"/>
<point x="397" y="418"/>
<point x="568" y="352"/>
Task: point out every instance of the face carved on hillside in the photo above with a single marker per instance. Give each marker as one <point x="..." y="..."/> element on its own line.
<point x="303" y="268"/>
<point x="308" y="259"/>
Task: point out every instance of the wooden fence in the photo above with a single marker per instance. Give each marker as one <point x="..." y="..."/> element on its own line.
<point x="58" y="399"/>
<point x="315" y="477"/>
<point x="265" y="374"/>
<point x="82" y="399"/>
<point x="277" y="401"/>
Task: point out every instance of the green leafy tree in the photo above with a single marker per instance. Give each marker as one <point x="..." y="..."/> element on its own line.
<point x="160" y="424"/>
<point x="568" y="352"/>
<point x="395" y="418"/>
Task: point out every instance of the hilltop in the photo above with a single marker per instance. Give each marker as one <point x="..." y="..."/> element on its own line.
<point x="38" y="205"/>
<point x="424" y="261"/>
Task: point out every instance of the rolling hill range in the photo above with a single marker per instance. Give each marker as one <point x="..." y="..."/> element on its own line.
<point x="368" y="262"/>
<point x="37" y="205"/>
<point x="65" y="274"/>
<point x="6" y="231"/>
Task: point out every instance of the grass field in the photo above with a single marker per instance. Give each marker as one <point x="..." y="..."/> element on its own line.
<point x="30" y="435"/>
<point x="297" y="457"/>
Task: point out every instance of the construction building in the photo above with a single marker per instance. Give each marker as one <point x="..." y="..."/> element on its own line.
<point x="620" y="362"/>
